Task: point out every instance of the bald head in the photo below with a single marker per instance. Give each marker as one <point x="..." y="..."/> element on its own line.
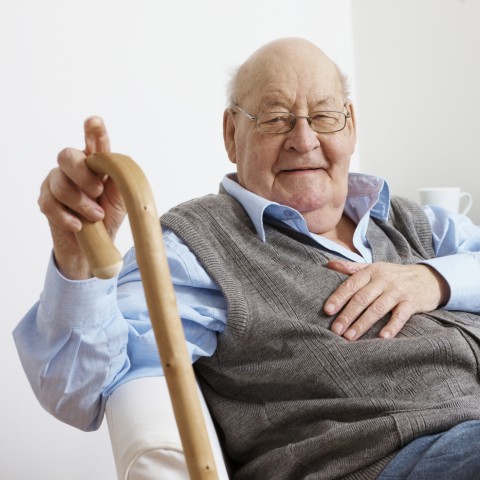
<point x="281" y="61"/>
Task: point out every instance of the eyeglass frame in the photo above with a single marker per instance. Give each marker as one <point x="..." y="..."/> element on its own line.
<point x="254" y="118"/>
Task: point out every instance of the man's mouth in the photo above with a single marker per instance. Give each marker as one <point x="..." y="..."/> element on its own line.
<point x="301" y="170"/>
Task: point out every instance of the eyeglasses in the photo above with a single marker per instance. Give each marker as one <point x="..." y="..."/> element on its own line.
<point x="282" y="122"/>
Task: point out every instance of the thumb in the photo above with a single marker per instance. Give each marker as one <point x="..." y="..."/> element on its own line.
<point x="346" y="267"/>
<point x="96" y="136"/>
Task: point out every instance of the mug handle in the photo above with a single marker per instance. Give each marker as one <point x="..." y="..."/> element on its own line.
<point x="468" y="206"/>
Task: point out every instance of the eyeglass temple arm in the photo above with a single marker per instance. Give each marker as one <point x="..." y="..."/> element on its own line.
<point x="105" y="260"/>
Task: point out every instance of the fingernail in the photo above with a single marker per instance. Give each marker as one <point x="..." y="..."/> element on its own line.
<point x="350" y="334"/>
<point x="97" y="189"/>
<point x="386" y="334"/>
<point x="76" y="225"/>
<point x="330" y="308"/>
<point x="98" y="213"/>
<point x="338" y="328"/>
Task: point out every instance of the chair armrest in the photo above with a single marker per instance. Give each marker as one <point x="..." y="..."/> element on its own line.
<point x="144" y="436"/>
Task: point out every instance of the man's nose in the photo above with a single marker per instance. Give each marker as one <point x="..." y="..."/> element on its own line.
<point x="302" y="138"/>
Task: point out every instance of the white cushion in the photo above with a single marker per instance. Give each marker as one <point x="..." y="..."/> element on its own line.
<point x="145" y="440"/>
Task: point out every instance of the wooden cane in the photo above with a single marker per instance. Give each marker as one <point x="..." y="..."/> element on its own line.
<point x="105" y="261"/>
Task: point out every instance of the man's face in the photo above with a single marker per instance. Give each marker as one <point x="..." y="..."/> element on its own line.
<point x="302" y="169"/>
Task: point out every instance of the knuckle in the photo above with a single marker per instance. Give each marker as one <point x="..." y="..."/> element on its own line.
<point x="42" y="204"/>
<point x="400" y="317"/>
<point x="379" y="308"/>
<point x="46" y="204"/>
<point x="345" y="318"/>
<point x="69" y="156"/>
<point x="397" y="321"/>
<point x="363" y="324"/>
<point x="361" y="299"/>
<point x="350" y="285"/>
<point x="63" y="156"/>
<point x="59" y="189"/>
<point x="83" y="206"/>
<point x="411" y="297"/>
<point x="44" y="197"/>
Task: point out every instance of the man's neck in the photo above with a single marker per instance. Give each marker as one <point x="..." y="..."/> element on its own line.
<point x="342" y="232"/>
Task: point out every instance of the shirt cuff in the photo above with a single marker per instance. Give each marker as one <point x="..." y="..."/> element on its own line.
<point x="461" y="271"/>
<point x="77" y="303"/>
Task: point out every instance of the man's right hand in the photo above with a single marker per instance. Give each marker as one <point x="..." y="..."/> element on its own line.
<point x="71" y="191"/>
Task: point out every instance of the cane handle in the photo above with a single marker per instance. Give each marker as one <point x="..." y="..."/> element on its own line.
<point x="103" y="257"/>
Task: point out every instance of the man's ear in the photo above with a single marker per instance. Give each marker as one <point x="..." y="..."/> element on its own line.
<point x="352" y="124"/>
<point x="229" y="134"/>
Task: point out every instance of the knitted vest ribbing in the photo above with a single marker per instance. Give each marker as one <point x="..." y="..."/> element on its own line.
<point x="293" y="400"/>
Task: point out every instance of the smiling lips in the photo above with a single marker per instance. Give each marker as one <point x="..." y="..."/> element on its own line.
<point x="301" y="170"/>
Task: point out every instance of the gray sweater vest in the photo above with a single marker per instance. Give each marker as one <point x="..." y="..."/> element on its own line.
<point x="291" y="399"/>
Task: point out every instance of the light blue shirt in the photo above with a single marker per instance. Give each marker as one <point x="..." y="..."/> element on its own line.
<point x="85" y="338"/>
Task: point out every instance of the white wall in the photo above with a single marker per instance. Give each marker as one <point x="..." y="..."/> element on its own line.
<point x="418" y="77"/>
<point x="141" y="65"/>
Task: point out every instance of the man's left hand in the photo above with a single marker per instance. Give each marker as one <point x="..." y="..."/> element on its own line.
<point x="374" y="290"/>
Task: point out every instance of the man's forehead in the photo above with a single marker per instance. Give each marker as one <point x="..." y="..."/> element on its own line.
<point x="269" y="101"/>
<point x="289" y="73"/>
<point x="276" y="95"/>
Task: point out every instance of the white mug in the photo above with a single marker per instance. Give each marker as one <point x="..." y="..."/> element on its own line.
<point x="446" y="197"/>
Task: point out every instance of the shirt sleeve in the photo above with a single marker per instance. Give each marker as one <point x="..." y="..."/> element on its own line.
<point x="456" y="241"/>
<point x="82" y="339"/>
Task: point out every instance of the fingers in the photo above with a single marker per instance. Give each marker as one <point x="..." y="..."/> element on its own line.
<point x="60" y="200"/>
<point x="58" y="215"/>
<point x="399" y="318"/>
<point x="352" y="328"/>
<point x="367" y="296"/>
<point x="71" y="189"/>
<point x="70" y="193"/>
<point x="376" y="290"/>
<point x="346" y="267"/>
<point x="364" y="302"/>
<point x="96" y="136"/>
<point x="349" y="287"/>
<point x="72" y="164"/>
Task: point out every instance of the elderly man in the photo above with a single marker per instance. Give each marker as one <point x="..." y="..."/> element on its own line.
<point x="323" y="317"/>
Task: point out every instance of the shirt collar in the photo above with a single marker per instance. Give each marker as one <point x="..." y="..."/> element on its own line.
<point x="366" y="194"/>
